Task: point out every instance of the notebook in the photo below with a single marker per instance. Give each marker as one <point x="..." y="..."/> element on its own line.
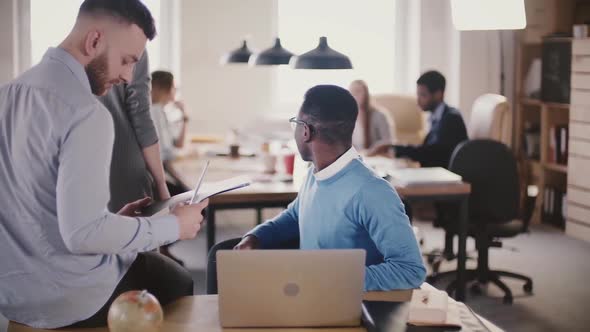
<point x="207" y="190"/>
<point x="423" y="176"/>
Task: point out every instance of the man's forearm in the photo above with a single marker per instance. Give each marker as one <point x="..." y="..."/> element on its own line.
<point x="404" y="151"/>
<point x="151" y="154"/>
<point x="171" y="171"/>
<point x="179" y="141"/>
<point x="281" y="229"/>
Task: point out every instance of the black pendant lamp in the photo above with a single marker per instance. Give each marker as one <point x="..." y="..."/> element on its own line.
<point x="240" y="55"/>
<point x="275" y="55"/>
<point x="322" y="57"/>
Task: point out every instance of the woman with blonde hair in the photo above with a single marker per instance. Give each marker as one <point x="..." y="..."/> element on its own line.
<point x="372" y="128"/>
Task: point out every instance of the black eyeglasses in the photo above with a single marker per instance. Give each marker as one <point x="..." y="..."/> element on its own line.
<point x="294" y="122"/>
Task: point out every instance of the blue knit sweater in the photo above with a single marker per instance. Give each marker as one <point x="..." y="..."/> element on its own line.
<point x="353" y="209"/>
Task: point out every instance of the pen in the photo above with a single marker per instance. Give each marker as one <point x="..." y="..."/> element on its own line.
<point x="199" y="183"/>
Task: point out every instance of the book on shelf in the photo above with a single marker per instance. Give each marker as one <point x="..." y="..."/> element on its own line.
<point x="532" y="140"/>
<point x="564" y="144"/>
<point x="551" y="157"/>
<point x="558" y="145"/>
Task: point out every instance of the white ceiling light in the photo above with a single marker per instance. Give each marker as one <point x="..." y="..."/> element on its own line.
<point x="488" y="14"/>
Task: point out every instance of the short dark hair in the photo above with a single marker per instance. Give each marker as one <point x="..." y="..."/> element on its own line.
<point x="332" y="113"/>
<point x="128" y="11"/>
<point x="162" y="80"/>
<point x="433" y="80"/>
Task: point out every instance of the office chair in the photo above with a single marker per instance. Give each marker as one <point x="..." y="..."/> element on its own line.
<point x="229" y="245"/>
<point x="491" y="118"/>
<point x="407" y="119"/>
<point x="491" y="169"/>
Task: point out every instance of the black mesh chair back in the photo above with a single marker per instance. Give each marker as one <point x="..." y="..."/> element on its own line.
<point x="492" y="171"/>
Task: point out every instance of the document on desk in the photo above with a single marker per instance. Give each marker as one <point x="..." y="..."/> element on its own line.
<point x="207" y="190"/>
<point x="423" y="176"/>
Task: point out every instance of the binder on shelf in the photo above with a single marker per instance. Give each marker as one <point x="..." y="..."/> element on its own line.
<point x="564" y="146"/>
<point x="558" y="145"/>
<point x="554" y="207"/>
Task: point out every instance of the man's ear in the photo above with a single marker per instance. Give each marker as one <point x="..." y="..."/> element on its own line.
<point x="438" y="95"/>
<point x="93" y="43"/>
<point x="308" y="133"/>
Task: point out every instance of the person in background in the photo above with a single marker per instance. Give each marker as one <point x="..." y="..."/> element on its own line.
<point x="65" y="257"/>
<point x="163" y="96"/>
<point x="373" y="128"/>
<point x="136" y="166"/>
<point x="447" y="128"/>
<point x="343" y="203"/>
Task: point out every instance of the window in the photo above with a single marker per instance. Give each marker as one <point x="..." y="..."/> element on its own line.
<point x="363" y="30"/>
<point x="49" y="26"/>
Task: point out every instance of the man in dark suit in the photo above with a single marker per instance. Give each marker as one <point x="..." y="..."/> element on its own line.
<point x="447" y="128"/>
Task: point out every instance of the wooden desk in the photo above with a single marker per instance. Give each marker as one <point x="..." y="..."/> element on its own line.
<point x="190" y="314"/>
<point x="200" y="313"/>
<point x="279" y="194"/>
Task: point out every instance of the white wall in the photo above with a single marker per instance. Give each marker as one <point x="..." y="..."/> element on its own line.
<point x="480" y="65"/>
<point x="439" y="45"/>
<point x="220" y="97"/>
<point x="470" y="60"/>
<point x="7" y="27"/>
<point x="479" y="70"/>
<point x="14" y="38"/>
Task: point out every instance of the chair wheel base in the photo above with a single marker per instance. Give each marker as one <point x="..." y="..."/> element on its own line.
<point x="528" y="287"/>
<point x="476" y="289"/>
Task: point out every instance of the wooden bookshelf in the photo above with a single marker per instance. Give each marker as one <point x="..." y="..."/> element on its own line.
<point x="556" y="167"/>
<point x="538" y="172"/>
<point x="536" y="164"/>
<point x="557" y="106"/>
<point x="549" y="16"/>
<point x="530" y="102"/>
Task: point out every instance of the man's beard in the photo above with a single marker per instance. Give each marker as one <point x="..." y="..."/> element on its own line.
<point x="96" y="71"/>
<point x="432" y="106"/>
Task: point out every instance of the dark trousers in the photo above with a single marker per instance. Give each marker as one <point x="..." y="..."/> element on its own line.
<point x="447" y="216"/>
<point x="157" y="274"/>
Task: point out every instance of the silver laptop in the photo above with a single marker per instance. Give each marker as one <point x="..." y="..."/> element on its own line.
<point x="290" y="288"/>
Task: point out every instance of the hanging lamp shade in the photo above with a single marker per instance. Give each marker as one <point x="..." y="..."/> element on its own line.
<point x="488" y="14"/>
<point x="275" y="55"/>
<point x="322" y="57"/>
<point x="240" y="55"/>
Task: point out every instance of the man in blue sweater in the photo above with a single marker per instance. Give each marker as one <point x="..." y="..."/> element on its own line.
<point x="343" y="203"/>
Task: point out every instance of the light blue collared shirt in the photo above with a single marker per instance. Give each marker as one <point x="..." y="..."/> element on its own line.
<point x="62" y="252"/>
